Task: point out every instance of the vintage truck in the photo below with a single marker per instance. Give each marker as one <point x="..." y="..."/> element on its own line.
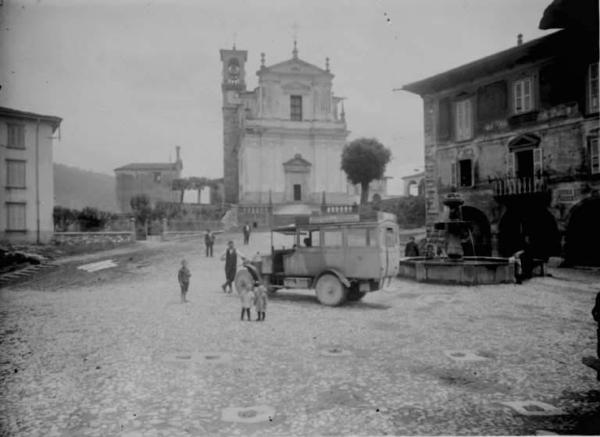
<point x="342" y="257"/>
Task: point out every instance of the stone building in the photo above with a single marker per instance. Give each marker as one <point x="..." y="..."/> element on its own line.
<point x="26" y="176"/>
<point x="414" y="185"/>
<point x="516" y="133"/>
<point x="283" y="140"/>
<point x="151" y="179"/>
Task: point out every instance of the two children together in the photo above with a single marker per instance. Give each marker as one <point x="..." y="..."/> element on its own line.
<point x="256" y="295"/>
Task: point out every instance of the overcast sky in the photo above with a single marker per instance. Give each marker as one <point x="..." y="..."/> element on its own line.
<point x="132" y="79"/>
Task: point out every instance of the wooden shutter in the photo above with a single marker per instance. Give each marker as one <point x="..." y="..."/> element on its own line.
<point x="537" y="162"/>
<point x="453" y="174"/>
<point x="444" y="120"/>
<point x="510" y="164"/>
<point x="15" y="216"/>
<point x="594" y="155"/>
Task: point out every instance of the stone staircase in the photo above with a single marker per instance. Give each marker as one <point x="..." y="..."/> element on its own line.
<point x="24" y="273"/>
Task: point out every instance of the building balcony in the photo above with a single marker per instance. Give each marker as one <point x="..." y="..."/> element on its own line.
<point x="519" y="186"/>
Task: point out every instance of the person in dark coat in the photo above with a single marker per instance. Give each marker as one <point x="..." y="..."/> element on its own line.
<point x="594" y="362"/>
<point x="230" y="256"/>
<point x="411" y="248"/>
<point x="524" y="262"/>
<point x="209" y="241"/>
<point x="596" y="316"/>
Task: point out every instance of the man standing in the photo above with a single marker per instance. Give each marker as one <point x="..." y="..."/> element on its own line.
<point x="209" y="241"/>
<point x="246" y="231"/>
<point x="411" y="248"/>
<point x="594" y="362"/>
<point x="230" y="256"/>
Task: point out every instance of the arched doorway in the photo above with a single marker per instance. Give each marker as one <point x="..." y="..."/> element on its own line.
<point x="532" y="221"/>
<point x="582" y="245"/>
<point x="481" y="235"/>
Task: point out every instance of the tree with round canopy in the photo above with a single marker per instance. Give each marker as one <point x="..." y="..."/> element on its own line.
<point x="364" y="160"/>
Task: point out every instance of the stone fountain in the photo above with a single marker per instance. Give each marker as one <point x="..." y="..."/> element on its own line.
<point x="453" y="267"/>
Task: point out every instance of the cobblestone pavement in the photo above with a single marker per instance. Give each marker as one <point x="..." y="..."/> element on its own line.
<point x="122" y="356"/>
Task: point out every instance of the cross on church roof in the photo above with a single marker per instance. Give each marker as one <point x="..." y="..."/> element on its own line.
<point x="295" y="29"/>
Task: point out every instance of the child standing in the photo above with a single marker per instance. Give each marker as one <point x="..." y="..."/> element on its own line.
<point x="184" y="280"/>
<point x="247" y="298"/>
<point x="260" y="302"/>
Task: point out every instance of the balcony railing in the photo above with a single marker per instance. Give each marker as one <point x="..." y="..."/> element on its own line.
<point x="512" y="185"/>
<point x="339" y="209"/>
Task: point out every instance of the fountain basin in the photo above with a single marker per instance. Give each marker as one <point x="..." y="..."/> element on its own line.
<point x="470" y="270"/>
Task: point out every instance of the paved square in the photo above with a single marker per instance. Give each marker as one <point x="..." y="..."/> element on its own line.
<point x="114" y="352"/>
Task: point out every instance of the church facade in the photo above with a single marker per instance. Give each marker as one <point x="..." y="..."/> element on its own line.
<point x="283" y="140"/>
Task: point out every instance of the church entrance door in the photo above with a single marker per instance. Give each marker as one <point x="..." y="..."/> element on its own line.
<point x="297" y="177"/>
<point x="297" y="192"/>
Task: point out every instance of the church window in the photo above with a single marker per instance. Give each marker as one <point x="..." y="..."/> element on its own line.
<point x="296" y="108"/>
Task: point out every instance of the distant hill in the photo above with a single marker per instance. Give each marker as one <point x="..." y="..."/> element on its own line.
<point x="76" y="188"/>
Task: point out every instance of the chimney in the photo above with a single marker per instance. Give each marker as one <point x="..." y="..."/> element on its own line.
<point x="178" y="163"/>
<point x="519" y="39"/>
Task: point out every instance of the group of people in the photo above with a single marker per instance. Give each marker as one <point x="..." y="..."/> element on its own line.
<point x="255" y="296"/>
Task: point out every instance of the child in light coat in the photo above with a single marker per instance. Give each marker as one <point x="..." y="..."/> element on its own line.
<point x="247" y="297"/>
<point x="183" y="276"/>
<point x="260" y="301"/>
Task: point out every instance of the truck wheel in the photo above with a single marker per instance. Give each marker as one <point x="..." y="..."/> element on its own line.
<point x="243" y="281"/>
<point x="330" y="291"/>
<point x="354" y="295"/>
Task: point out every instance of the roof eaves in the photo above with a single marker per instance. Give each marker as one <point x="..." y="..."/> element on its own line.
<point x="15" y="113"/>
<point x="490" y="62"/>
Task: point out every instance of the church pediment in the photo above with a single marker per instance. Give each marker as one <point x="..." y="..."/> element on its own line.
<point x="295" y="66"/>
<point x="297" y="163"/>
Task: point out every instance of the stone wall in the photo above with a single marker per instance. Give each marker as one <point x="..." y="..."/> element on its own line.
<point x="92" y="238"/>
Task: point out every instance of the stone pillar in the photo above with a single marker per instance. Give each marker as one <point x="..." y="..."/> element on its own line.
<point x="132" y="228"/>
<point x="494" y="238"/>
<point x="164" y="229"/>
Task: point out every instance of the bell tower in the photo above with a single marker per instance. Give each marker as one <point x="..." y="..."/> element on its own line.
<point x="233" y="82"/>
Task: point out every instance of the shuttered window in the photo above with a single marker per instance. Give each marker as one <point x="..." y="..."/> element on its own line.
<point x="463" y="120"/>
<point x="594" y="155"/>
<point x="16" y="136"/>
<point x="492" y="102"/>
<point x="15" y="173"/>
<point x="593" y="88"/>
<point x="15" y="217"/>
<point x="444" y="120"/>
<point x="523" y="95"/>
